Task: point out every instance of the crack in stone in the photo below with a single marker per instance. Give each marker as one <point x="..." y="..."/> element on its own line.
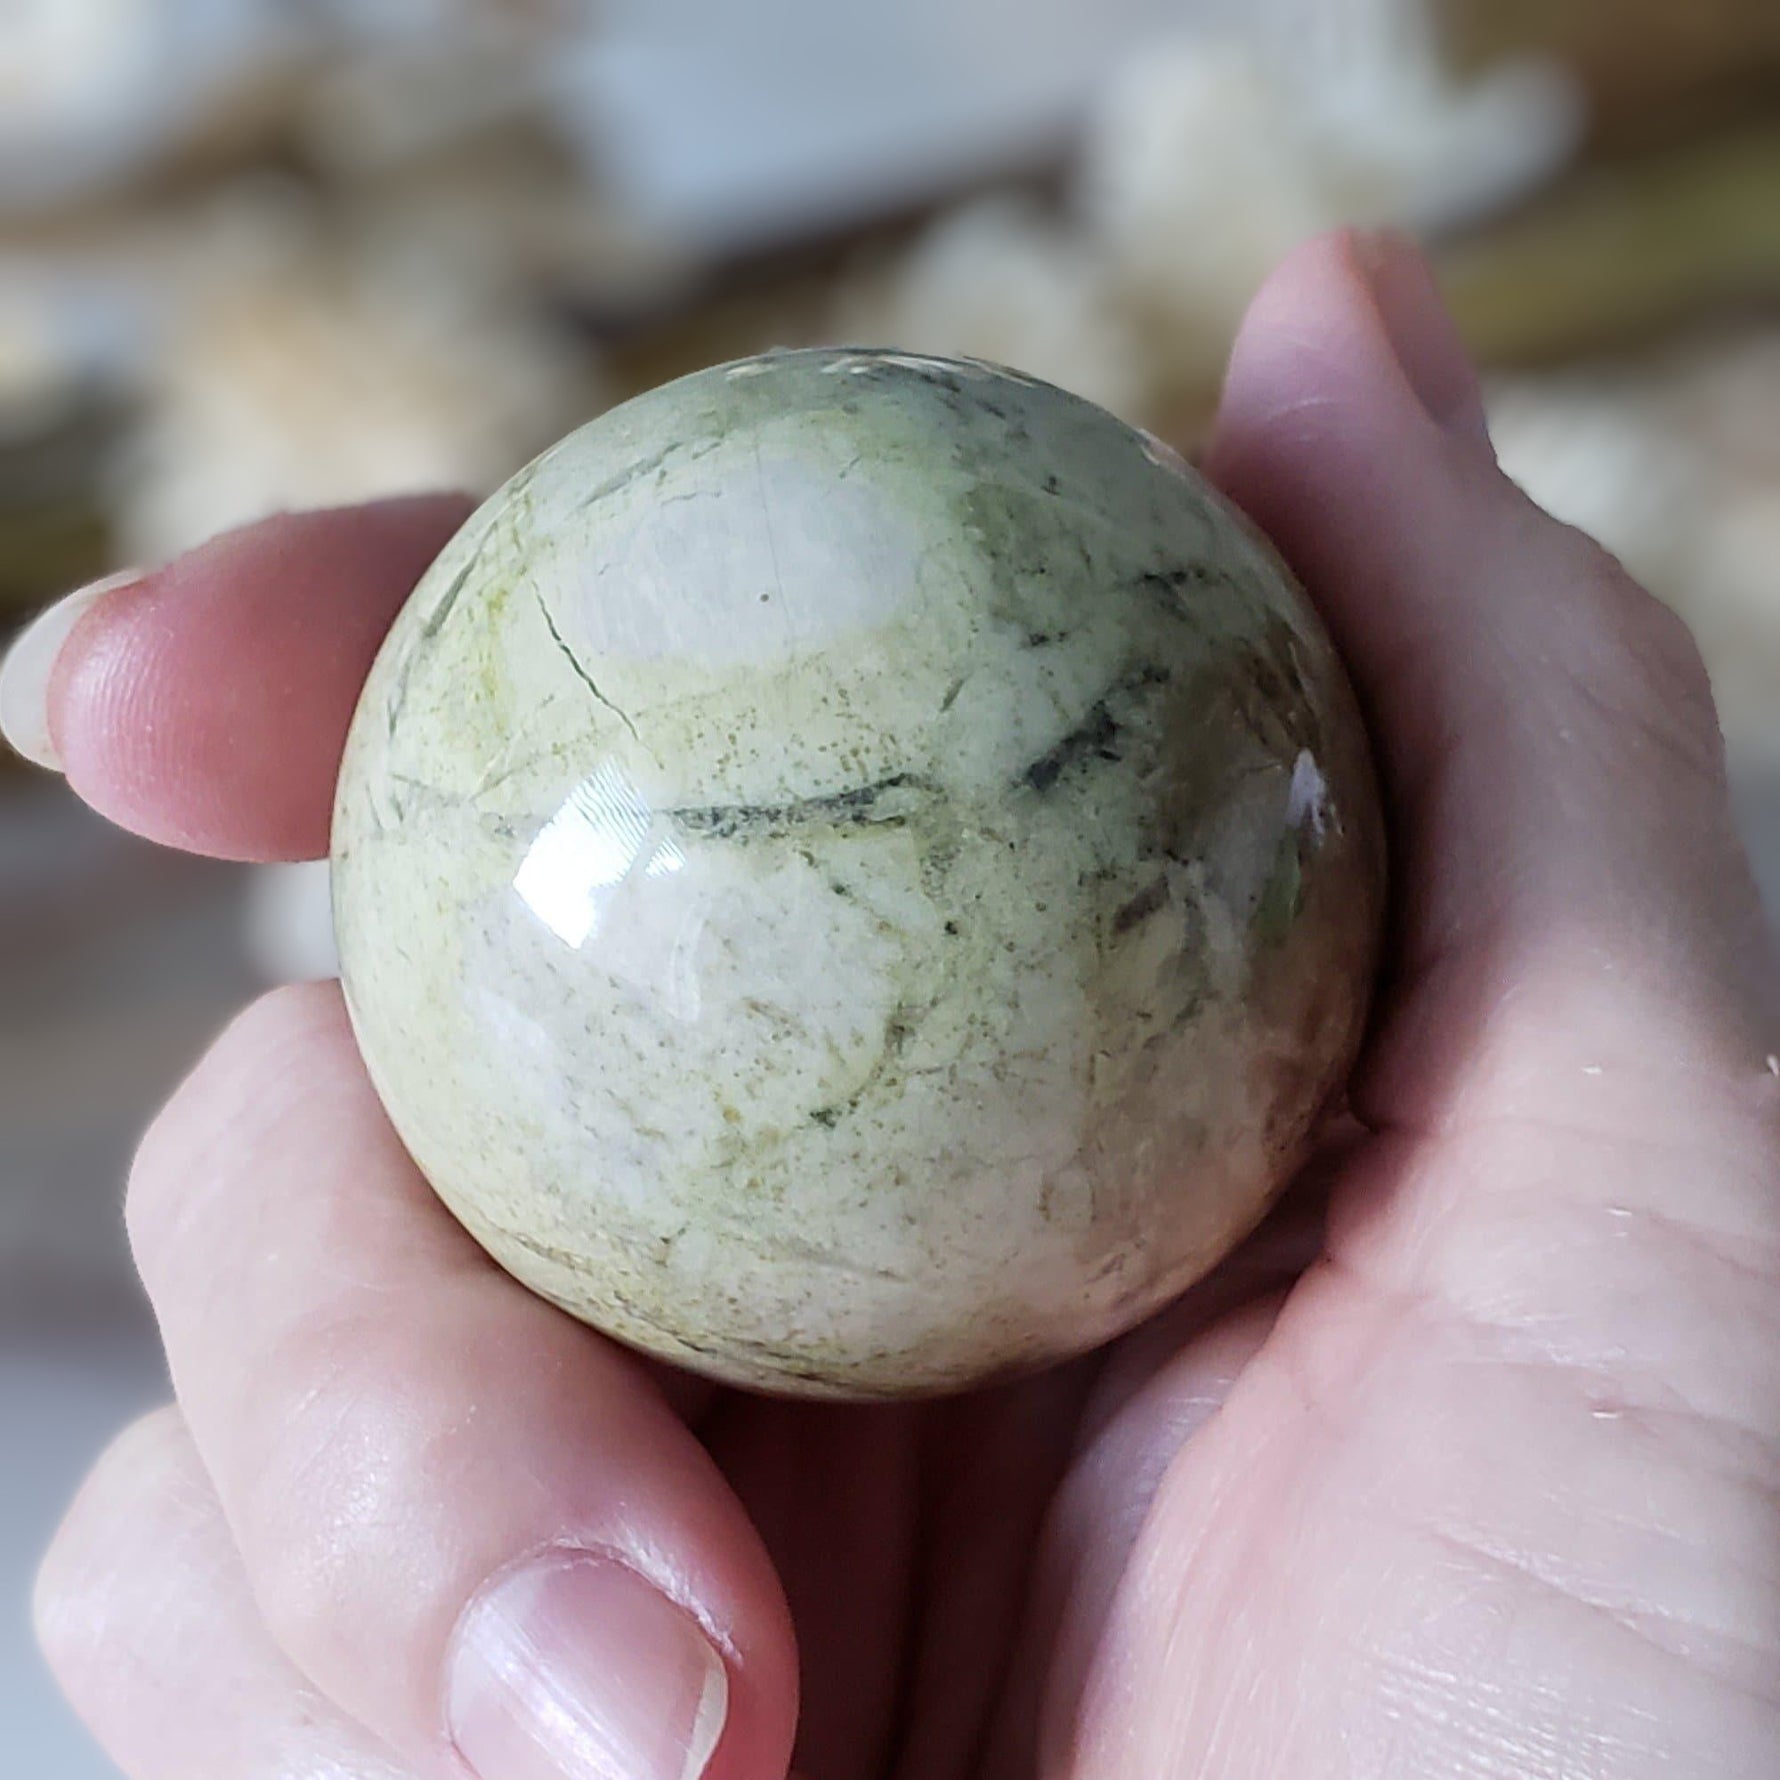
<point x="581" y="673"/>
<point x="644" y="466"/>
<point x="898" y="1029"/>
<point x="435" y="619"/>
<point x="429" y="628"/>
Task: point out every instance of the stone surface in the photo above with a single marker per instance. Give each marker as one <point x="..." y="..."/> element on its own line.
<point x="856" y="873"/>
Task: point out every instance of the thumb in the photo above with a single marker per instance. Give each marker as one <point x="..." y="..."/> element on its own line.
<point x="1571" y="893"/>
<point x="1486" y="1497"/>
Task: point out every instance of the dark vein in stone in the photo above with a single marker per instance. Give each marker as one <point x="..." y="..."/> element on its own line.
<point x="1094" y="732"/>
<point x="897" y="1031"/>
<point x="1142" y="905"/>
<point x="863" y="805"/>
<point x="1093" y="736"/>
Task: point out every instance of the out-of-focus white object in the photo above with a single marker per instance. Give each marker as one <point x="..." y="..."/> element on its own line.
<point x="289" y="923"/>
<point x="1733" y="605"/>
<point x="1371" y="93"/>
<point x="295" y="374"/>
<point x="1209" y="156"/>
<point x="1733" y="402"/>
<point x="68" y="1382"/>
<point x="729" y="127"/>
<point x="1196" y="177"/>
<point x="1603" y="453"/>
<point x="64" y="333"/>
<point x="93" y="91"/>
<point x="1201" y="156"/>
<point x="1000" y="279"/>
<point x="1673" y="467"/>
<point x="412" y="78"/>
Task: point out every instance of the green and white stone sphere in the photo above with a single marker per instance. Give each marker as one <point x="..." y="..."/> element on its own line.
<point x="856" y="873"/>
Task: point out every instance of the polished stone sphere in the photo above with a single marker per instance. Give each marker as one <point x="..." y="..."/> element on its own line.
<point x="857" y="873"/>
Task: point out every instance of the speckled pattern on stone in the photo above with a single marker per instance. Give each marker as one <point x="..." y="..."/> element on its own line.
<point x="856" y="873"/>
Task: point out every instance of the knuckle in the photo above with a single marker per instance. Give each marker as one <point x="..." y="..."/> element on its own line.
<point x="345" y="1479"/>
<point x="238" y="1086"/>
<point x="1661" y="639"/>
<point x="81" y="1615"/>
<point x="1639" y="661"/>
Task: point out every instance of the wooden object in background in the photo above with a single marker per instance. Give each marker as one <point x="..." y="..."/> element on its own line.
<point x="54" y="533"/>
<point x="1622" y="250"/>
<point x="1651" y="67"/>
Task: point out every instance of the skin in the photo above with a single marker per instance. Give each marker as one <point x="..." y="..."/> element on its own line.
<point x="1469" y="1465"/>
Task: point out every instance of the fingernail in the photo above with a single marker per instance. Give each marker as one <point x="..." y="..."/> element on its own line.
<point x="572" y="1667"/>
<point x="25" y="673"/>
<point x="1421" y="329"/>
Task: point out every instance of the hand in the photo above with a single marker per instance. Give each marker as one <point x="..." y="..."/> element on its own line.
<point x="1482" y="1478"/>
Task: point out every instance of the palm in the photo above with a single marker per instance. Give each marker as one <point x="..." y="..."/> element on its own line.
<point x="1403" y="1491"/>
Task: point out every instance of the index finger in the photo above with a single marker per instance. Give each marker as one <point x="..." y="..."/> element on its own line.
<point x="205" y="705"/>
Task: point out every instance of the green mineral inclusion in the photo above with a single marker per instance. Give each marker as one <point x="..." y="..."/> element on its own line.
<point x="856" y="872"/>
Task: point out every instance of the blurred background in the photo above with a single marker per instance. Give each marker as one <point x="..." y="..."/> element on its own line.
<point x="272" y="253"/>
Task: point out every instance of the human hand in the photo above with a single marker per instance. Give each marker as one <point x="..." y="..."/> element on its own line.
<point x="1479" y="1477"/>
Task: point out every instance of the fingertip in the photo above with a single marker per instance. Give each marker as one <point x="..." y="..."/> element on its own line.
<point x="573" y="1654"/>
<point x="1345" y="368"/>
<point x="31" y="663"/>
<point x="1424" y="338"/>
<point x="1351" y="431"/>
<point x="205" y="705"/>
<point x="1306" y="333"/>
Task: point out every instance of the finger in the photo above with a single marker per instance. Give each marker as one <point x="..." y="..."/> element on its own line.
<point x="832" y="1488"/>
<point x="205" y="705"/>
<point x="1132" y="1432"/>
<point x="1545" y="731"/>
<point x="144" y="1613"/>
<point x="1153" y="1392"/>
<point x="1575" y="1074"/>
<point x="466" y="1518"/>
<point x="994" y="1460"/>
